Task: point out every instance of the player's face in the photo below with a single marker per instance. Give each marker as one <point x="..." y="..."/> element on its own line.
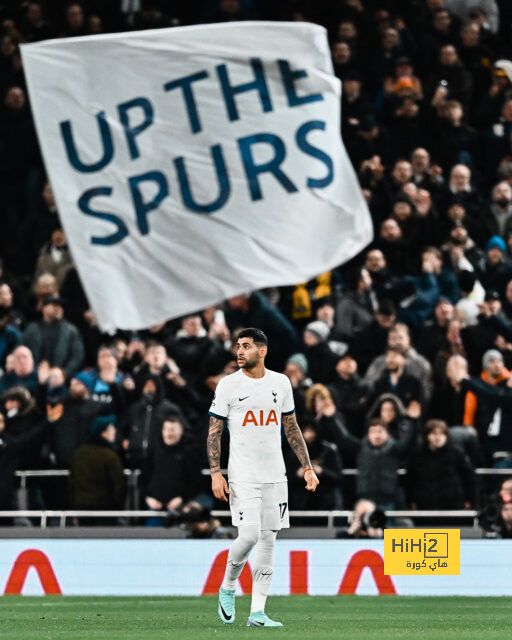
<point x="248" y="354"/>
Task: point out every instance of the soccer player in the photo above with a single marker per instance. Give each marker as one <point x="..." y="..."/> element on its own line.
<point x="253" y="402"/>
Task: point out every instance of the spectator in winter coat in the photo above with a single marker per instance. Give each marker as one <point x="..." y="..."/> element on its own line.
<point x="12" y="447"/>
<point x="68" y="413"/>
<point x="96" y="479"/>
<point x="497" y="218"/>
<point x="350" y="393"/>
<point x="172" y="469"/>
<point x="478" y="413"/>
<point x="322" y="411"/>
<point x="142" y="421"/>
<point x="21" y="416"/>
<point x="439" y="476"/>
<point x="497" y="439"/>
<point x="496" y="269"/>
<point x="321" y="360"/>
<point x="296" y="371"/>
<point x="378" y="460"/>
<point x="54" y="339"/>
<point x="326" y="463"/>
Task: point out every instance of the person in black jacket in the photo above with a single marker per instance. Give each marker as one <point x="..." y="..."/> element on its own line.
<point x="96" y="478"/>
<point x="12" y="447"/>
<point x="326" y="463"/>
<point x="172" y="470"/>
<point x="378" y="460"/>
<point x="142" y="421"/>
<point x="350" y="393"/>
<point x="497" y="439"/>
<point x="439" y="476"/>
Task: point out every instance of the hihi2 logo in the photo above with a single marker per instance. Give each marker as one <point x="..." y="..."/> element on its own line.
<point x="422" y="552"/>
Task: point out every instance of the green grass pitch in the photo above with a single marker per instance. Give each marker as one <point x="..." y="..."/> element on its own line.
<point x="323" y="618"/>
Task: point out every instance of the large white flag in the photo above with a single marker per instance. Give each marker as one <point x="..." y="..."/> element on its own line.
<point x="194" y="164"/>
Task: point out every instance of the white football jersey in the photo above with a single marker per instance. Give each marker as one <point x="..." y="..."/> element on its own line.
<point x="252" y="408"/>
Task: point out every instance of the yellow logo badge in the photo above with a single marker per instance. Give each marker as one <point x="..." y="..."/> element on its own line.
<point x="423" y="552"/>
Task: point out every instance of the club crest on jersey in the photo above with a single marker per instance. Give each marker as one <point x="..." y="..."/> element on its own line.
<point x="274" y="393"/>
<point x="251" y="417"/>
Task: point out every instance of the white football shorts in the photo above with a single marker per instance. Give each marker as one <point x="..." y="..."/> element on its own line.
<point x="263" y="504"/>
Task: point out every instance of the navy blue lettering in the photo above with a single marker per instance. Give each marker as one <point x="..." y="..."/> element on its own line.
<point x="230" y="91"/>
<point x="306" y="147"/>
<point x="253" y="170"/>
<point x="222" y="180"/>
<point x="289" y="77"/>
<point x="143" y="208"/>
<point x="106" y="140"/>
<point x="130" y="131"/>
<point x="85" y="206"/>
<point x="185" y="84"/>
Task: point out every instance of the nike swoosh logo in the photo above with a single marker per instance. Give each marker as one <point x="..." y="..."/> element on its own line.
<point x="256" y="624"/>
<point x="242" y="399"/>
<point x="224" y="613"/>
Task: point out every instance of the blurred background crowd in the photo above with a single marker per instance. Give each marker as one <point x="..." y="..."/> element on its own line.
<point x="399" y="359"/>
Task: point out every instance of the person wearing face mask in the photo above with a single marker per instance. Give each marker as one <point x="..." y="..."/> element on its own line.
<point x="142" y="421"/>
<point x="497" y="217"/>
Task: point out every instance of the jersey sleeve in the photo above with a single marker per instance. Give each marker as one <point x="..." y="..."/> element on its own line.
<point x="220" y="403"/>
<point x="288" y="402"/>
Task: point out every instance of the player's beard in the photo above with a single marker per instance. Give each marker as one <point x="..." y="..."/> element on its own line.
<point x="249" y="363"/>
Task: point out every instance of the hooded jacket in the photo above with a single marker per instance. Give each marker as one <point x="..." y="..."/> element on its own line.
<point x="142" y="423"/>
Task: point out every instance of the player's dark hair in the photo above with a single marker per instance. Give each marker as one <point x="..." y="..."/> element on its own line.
<point x="256" y="334"/>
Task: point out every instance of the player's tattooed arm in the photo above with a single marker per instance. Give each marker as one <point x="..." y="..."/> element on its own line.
<point x="213" y="443"/>
<point x="219" y="485"/>
<point x="294" y="436"/>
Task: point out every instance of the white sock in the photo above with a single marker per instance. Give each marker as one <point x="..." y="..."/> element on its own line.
<point x="263" y="569"/>
<point x="248" y="536"/>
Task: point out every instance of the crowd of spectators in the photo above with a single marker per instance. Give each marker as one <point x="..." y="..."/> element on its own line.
<point x="399" y="359"/>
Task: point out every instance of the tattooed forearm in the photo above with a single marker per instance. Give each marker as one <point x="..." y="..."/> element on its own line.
<point x="213" y="443"/>
<point x="294" y="437"/>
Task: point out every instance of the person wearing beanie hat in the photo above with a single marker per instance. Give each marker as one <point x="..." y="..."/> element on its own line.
<point x="495" y="270"/>
<point x="319" y="329"/>
<point x="300" y="361"/>
<point x="496" y="242"/>
<point x="320" y="358"/>
<point x="101" y="424"/>
<point x="479" y="412"/>
<point x="489" y="356"/>
<point x="96" y="478"/>
<point x="296" y="371"/>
